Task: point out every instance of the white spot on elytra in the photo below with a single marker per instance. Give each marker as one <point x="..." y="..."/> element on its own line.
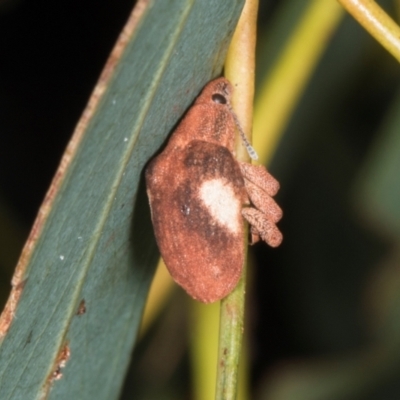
<point x="61" y="257"/>
<point x="220" y="200"/>
<point x="125" y="139"/>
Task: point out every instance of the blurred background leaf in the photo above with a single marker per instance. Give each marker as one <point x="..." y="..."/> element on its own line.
<point x="323" y="309"/>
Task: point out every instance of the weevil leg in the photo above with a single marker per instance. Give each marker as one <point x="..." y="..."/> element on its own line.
<point x="258" y="175"/>
<point x="254" y="235"/>
<point x="263" y="225"/>
<point x="263" y="201"/>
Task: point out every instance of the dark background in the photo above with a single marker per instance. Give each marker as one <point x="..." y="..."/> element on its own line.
<point x="307" y="298"/>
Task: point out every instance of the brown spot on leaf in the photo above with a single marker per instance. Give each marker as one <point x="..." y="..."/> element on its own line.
<point x="61" y="362"/>
<point x="10" y="307"/>
<point x="81" y="308"/>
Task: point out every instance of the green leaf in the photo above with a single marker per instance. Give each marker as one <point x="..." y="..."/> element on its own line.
<point x="93" y="242"/>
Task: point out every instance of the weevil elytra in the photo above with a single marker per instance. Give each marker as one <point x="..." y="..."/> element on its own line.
<point x="199" y="194"/>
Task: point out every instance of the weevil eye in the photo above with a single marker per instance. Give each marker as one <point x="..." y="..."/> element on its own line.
<point x="218" y="98"/>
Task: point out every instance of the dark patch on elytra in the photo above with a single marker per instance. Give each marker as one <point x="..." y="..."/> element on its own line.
<point x="206" y="161"/>
<point x="196" y="219"/>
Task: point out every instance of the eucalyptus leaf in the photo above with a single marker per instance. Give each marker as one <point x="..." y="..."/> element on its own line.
<point x="86" y="269"/>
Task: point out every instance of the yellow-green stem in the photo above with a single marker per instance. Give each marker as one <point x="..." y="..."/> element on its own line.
<point x="375" y="20"/>
<point x="239" y="69"/>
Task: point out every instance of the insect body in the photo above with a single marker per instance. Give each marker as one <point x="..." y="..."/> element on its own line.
<point x="199" y="195"/>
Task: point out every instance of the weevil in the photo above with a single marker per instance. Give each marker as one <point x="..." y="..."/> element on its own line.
<point x="199" y="194"/>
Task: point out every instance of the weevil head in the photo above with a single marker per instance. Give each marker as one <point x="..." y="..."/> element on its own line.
<point x="216" y="92"/>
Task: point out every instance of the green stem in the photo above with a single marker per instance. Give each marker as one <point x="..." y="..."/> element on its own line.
<point x="375" y="20"/>
<point x="239" y="70"/>
<point x="230" y="341"/>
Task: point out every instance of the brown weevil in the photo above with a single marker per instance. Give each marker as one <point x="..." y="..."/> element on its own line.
<point x="199" y="194"/>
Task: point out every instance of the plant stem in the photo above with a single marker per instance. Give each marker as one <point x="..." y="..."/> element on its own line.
<point x="239" y="69"/>
<point x="375" y="20"/>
